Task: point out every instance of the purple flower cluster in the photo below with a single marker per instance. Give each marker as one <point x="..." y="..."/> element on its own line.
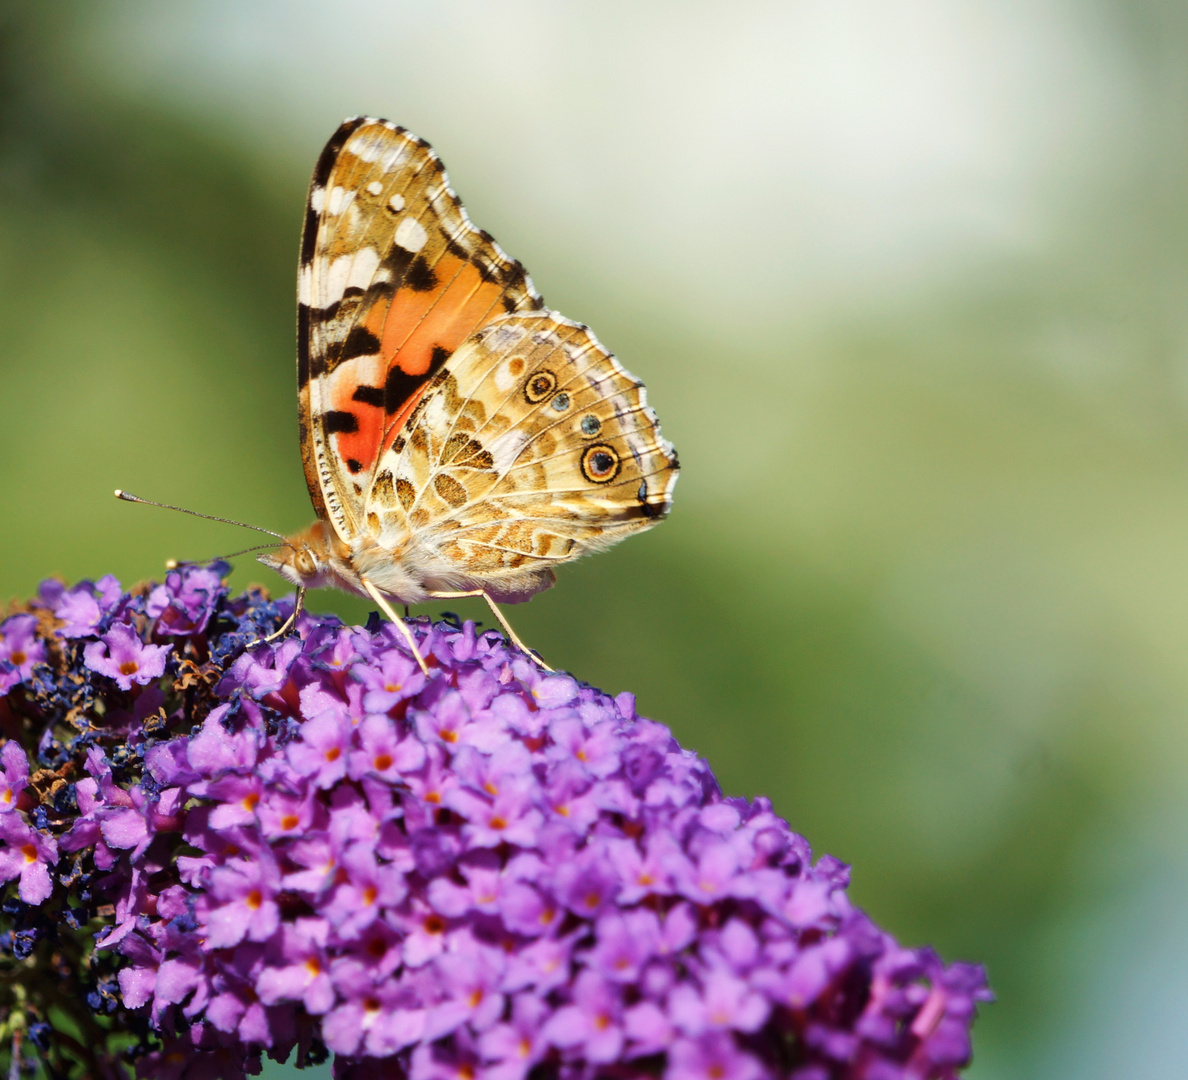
<point x="479" y="875"/>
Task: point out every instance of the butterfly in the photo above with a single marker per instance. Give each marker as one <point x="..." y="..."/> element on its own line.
<point x="459" y="437"/>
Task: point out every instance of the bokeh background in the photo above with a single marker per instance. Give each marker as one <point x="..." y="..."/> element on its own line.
<point x="908" y="284"/>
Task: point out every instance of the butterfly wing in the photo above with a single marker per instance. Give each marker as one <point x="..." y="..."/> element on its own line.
<point x="532" y="447"/>
<point x="393" y="279"/>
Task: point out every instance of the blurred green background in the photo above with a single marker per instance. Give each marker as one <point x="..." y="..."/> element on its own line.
<point x="908" y="284"/>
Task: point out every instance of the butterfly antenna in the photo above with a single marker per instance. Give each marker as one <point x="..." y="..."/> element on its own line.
<point x="173" y="564"/>
<point x="244" y="551"/>
<point x="129" y="497"/>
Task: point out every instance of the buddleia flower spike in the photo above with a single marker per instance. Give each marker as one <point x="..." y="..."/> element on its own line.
<point x="312" y="846"/>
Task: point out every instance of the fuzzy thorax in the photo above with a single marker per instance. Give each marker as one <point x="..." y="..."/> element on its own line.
<point x="408" y="573"/>
<point x="313" y="558"/>
<point x="319" y="558"/>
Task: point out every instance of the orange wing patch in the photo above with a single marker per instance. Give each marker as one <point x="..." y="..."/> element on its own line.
<point x="393" y="279"/>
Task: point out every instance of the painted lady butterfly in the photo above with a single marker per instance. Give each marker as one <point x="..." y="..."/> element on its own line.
<point x="459" y="438"/>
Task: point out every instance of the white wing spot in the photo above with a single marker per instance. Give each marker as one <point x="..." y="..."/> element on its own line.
<point x="304" y="284"/>
<point x="367" y="145"/>
<point x="317" y="199"/>
<point x="396" y="202"/>
<point x="504" y="378"/>
<point x="411" y="235"/>
<point x="339" y="199"/>
<point x="356" y="270"/>
<point x="374" y="188"/>
<point x="507" y="448"/>
<point x="380" y="145"/>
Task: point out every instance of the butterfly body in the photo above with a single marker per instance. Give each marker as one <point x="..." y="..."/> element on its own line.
<point x="459" y="437"/>
<point x="318" y="559"/>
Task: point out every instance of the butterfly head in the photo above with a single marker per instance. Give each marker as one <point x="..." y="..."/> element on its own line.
<point x="307" y="558"/>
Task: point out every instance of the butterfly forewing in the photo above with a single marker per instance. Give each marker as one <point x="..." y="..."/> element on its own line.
<point x="393" y="279"/>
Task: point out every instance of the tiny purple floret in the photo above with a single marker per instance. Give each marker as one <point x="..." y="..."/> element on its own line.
<point x="122" y="656"/>
<point x="20" y="650"/>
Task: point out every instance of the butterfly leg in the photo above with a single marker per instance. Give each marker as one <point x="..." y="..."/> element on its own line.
<point x="401" y="625"/>
<point x="511" y="634"/>
<point x="290" y="622"/>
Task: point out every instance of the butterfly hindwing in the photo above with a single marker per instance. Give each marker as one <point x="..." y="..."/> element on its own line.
<point x="393" y="279"/>
<point x="531" y="447"/>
